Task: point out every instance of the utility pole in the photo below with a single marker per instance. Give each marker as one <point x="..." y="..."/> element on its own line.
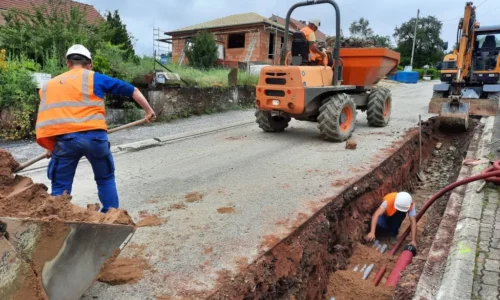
<point x="414" y="39"/>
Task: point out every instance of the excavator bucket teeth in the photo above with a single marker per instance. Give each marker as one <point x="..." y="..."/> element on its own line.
<point x="54" y="260"/>
<point x="454" y="116"/>
<point x="477" y="107"/>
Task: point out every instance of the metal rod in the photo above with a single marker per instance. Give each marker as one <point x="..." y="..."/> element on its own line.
<point x="170" y="71"/>
<point x="336" y="50"/>
<point x="420" y="143"/>
<point x="414" y="38"/>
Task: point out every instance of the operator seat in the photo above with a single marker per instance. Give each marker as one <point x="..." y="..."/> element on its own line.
<point x="300" y="49"/>
<point x="489" y="53"/>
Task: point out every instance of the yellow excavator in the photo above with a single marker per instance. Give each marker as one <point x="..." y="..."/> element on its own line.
<point x="470" y="83"/>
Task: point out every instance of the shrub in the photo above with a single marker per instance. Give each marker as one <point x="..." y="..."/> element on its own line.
<point x="19" y="98"/>
<point x="202" y="54"/>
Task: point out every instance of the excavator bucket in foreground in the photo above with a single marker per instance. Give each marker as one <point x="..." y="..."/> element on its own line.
<point x="52" y="259"/>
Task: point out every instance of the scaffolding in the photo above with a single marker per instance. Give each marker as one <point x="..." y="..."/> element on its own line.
<point x="162" y="48"/>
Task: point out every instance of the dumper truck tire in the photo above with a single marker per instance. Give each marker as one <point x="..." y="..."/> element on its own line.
<point x="337" y="118"/>
<point x="270" y="123"/>
<point x="379" y="107"/>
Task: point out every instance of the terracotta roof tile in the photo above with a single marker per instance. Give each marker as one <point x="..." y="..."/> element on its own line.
<point x="93" y="16"/>
<point x="232" y="20"/>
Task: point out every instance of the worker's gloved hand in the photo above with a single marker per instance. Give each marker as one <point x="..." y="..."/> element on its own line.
<point x="370" y="237"/>
<point x="48" y="154"/>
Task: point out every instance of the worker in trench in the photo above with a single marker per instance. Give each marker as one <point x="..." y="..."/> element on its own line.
<point x="390" y="215"/>
<point x="71" y="123"/>
<point x="315" y="55"/>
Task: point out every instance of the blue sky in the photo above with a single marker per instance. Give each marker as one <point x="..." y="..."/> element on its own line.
<point x="140" y="17"/>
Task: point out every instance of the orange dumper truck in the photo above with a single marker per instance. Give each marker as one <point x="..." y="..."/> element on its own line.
<point x="306" y="91"/>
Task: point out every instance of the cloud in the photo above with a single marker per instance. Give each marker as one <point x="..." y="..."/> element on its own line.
<point x="384" y="15"/>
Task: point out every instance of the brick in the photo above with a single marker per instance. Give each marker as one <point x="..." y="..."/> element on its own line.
<point x="495" y="243"/>
<point x="491" y="278"/>
<point x="494" y="254"/>
<point x="496" y="234"/>
<point x="488" y="292"/>
<point x="492" y="265"/>
<point x="484" y="246"/>
<point x="485" y="236"/>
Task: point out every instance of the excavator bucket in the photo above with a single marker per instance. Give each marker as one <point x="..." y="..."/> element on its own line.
<point x="52" y="259"/>
<point x="477" y="107"/>
<point x="454" y="116"/>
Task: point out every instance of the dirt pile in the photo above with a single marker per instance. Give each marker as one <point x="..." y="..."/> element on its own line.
<point x="124" y="270"/>
<point x="21" y="198"/>
<point x="347" y="284"/>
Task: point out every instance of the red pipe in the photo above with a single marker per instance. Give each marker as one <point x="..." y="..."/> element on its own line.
<point x="379" y="275"/>
<point x="403" y="261"/>
<point x="488" y="173"/>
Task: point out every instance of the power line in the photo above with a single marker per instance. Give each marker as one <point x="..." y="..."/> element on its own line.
<point x="461" y="16"/>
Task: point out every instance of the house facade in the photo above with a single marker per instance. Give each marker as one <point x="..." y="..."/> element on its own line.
<point x="243" y="38"/>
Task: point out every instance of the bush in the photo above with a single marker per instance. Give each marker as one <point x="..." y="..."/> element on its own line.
<point x="203" y="52"/>
<point x="19" y="98"/>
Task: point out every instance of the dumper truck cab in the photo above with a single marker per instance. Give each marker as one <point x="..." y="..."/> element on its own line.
<point x="328" y="93"/>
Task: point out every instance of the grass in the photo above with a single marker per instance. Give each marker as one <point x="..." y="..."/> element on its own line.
<point x="210" y="78"/>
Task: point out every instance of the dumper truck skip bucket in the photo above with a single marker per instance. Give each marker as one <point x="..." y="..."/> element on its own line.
<point x="364" y="67"/>
<point x="52" y="259"/>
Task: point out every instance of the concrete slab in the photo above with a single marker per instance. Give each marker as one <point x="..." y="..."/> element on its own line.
<point x="272" y="183"/>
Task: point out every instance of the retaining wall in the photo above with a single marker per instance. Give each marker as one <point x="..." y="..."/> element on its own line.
<point x="189" y="100"/>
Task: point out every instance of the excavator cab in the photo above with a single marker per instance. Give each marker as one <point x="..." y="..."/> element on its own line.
<point x="470" y="82"/>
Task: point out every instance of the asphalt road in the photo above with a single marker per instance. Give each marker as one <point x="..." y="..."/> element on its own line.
<point x="254" y="187"/>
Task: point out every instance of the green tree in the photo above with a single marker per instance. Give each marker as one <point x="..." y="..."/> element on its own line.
<point x="428" y="46"/>
<point x="51" y="27"/>
<point x="361" y="28"/>
<point x="382" y="41"/>
<point x="202" y="52"/>
<point x="115" y="32"/>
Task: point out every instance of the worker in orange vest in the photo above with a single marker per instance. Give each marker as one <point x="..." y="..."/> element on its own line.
<point x="309" y="31"/>
<point x="71" y="124"/>
<point x="391" y="213"/>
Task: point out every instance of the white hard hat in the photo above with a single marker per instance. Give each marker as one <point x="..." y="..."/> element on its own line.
<point x="403" y="201"/>
<point x="316" y="22"/>
<point x="79" y="49"/>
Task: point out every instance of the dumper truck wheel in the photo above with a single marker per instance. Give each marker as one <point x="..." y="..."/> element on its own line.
<point x="337" y="118"/>
<point x="270" y="123"/>
<point x="379" y="107"/>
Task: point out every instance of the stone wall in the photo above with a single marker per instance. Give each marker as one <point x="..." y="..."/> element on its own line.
<point x="184" y="101"/>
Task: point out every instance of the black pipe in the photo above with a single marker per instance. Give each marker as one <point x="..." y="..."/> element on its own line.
<point x="336" y="50"/>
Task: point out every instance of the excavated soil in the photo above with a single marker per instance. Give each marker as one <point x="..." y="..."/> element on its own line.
<point x="348" y="284"/>
<point x="21" y="198"/>
<point x="300" y="266"/>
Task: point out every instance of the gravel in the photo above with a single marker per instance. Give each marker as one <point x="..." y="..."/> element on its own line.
<point x="27" y="149"/>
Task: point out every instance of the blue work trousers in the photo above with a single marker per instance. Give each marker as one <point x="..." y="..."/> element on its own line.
<point x="95" y="147"/>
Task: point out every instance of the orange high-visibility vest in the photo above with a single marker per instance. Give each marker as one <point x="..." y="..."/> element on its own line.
<point x="390" y="199"/>
<point x="68" y="104"/>
<point x="307" y="31"/>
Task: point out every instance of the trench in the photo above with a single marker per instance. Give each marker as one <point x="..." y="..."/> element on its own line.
<point x="316" y="261"/>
